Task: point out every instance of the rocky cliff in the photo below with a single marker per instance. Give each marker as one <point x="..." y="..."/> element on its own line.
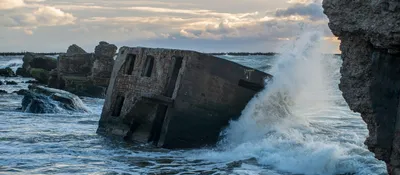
<point x="369" y="31"/>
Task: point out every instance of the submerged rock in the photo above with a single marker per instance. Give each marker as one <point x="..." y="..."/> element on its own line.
<point x="32" y="82"/>
<point x="75" y="49"/>
<point x="40" y="99"/>
<point x="20" y="92"/>
<point x="7" y="72"/>
<point x="369" y="31"/>
<point x="11" y="83"/>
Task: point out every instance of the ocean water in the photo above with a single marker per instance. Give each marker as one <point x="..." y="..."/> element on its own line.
<point x="299" y="124"/>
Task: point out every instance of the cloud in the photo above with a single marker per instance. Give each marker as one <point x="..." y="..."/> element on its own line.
<point x="50" y="16"/>
<point x="313" y="10"/>
<point x="29" y="17"/>
<point x="11" y="4"/>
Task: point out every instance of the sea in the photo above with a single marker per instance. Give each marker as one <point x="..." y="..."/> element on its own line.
<point x="298" y="125"/>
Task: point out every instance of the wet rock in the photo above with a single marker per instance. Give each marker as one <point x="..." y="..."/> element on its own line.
<point x="32" y="82"/>
<point x="3" y="92"/>
<point x="22" y="72"/>
<point x="370" y="38"/>
<point x="20" y="92"/>
<point x="7" y="72"/>
<point x="40" y="99"/>
<point x="41" y="75"/>
<point x="75" y="49"/>
<point x="11" y="83"/>
<point x="35" y="61"/>
<point x="105" y="49"/>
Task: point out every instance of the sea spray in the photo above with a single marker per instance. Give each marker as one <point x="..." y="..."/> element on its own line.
<point x="277" y="127"/>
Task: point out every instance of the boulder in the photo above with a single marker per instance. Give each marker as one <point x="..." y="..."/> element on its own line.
<point x="105" y="49"/>
<point x="40" y="99"/>
<point x="41" y="75"/>
<point x="22" y="72"/>
<point x="75" y="49"/>
<point x="44" y="62"/>
<point x="20" y="92"/>
<point x="11" y="83"/>
<point x="7" y="72"/>
<point x="32" y="82"/>
<point x="32" y="60"/>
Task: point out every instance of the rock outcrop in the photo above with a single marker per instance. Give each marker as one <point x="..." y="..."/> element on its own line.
<point x="7" y="72"/>
<point x="39" y="99"/>
<point x="84" y="74"/>
<point x="75" y="49"/>
<point x="369" y="31"/>
<point x="37" y="66"/>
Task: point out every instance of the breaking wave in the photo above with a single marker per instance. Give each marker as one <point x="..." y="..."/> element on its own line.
<point x="292" y="125"/>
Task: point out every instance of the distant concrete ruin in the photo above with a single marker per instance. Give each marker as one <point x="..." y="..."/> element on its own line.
<point x="175" y="98"/>
<point x="84" y="74"/>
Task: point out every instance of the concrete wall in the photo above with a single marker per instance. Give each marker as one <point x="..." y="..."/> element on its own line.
<point x="185" y="103"/>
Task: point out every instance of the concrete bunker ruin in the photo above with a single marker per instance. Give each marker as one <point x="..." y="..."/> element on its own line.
<point x="175" y="98"/>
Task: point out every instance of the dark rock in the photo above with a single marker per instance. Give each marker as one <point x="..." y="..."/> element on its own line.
<point x="7" y="72"/>
<point x="11" y="83"/>
<point x="105" y="50"/>
<point x="370" y="40"/>
<point x="1" y="83"/>
<point x="20" y="92"/>
<point x="3" y="92"/>
<point x="85" y="74"/>
<point x="22" y="72"/>
<point x="41" y="75"/>
<point x="40" y="99"/>
<point x="32" y="82"/>
<point x="53" y="80"/>
<point x="44" y="62"/>
<point x="75" y="49"/>
<point x="35" y="61"/>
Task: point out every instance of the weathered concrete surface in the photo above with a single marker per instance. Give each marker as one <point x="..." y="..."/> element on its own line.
<point x="75" y="49"/>
<point x="37" y="66"/>
<point x="369" y="31"/>
<point x="84" y="74"/>
<point x="175" y="98"/>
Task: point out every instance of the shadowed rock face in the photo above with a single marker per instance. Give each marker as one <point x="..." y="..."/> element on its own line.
<point x="75" y="49"/>
<point x="369" y="31"/>
<point x="84" y="74"/>
<point x="37" y="66"/>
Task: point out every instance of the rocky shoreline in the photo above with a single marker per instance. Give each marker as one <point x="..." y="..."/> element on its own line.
<point x="76" y="71"/>
<point x="370" y="43"/>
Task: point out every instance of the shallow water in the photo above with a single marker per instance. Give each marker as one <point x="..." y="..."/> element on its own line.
<point x="318" y="134"/>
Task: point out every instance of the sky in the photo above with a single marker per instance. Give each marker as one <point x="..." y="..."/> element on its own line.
<point x="201" y="25"/>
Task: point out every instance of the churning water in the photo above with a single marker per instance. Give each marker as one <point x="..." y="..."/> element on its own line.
<point x="299" y="124"/>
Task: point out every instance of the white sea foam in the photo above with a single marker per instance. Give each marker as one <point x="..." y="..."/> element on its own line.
<point x="294" y="125"/>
